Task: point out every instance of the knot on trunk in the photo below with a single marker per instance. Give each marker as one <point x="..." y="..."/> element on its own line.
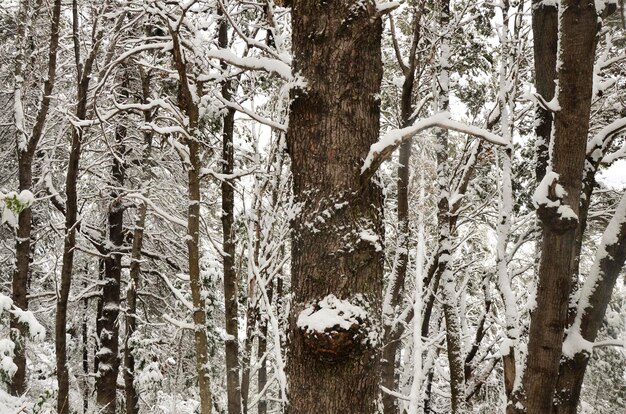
<point x="333" y="328"/>
<point x="553" y="211"/>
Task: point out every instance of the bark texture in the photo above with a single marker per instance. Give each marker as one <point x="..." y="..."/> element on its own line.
<point x="333" y="122"/>
<point x="83" y="77"/>
<point x="577" y="31"/>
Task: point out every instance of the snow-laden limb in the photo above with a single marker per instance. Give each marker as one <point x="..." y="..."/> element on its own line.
<point x="179" y="324"/>
<point x="383" y="149"/>
<point x="597" y="146"/>
<point x="233" y="105"/>
<point x="36" y="331"/>
<point x="614" y="156"/>
<point x="176" y="292"/>
<point x="575" y="343"/>
<point x="158" y="211"/>
<point x="386" y="7"/>
<point x="578" y="338"/>
<point x="269" y="65"/>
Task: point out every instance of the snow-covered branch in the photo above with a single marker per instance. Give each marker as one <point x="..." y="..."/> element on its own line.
<point x="382" y="150"/>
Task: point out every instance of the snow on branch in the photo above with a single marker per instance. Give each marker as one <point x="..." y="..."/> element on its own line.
<point x="597" y="282"/>
<point x="233" y="105"/>
<point x="383" y="149"/>
<point x="269" y="65"/>
<point x="158" y="211"/>
<point x="597" y="146"/>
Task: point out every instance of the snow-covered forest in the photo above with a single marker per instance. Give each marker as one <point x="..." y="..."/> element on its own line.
<point x="312" y="206"/>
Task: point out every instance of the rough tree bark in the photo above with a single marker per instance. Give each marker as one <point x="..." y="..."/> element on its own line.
<point x="337" y="238"/>
<point x="577" y="29"/>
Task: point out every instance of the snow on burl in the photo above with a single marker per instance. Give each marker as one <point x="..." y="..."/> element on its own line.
<point x="330" y="313"/>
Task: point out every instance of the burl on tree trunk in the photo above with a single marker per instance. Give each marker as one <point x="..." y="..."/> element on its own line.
<point x="337" y="258"/>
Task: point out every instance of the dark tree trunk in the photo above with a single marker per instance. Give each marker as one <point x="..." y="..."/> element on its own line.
<point x="545" y="34"/>
<point x="108" y="370"/>
<point x="571" y="125"/>
<point x="85" y="345"/>
<point x="251" y="320"/>
<point x="231" y="282"/>
<point x="332" y="124"/>
<point x="392" y="333"/>
<point x="19" y="331"/>
<point x="25" y="155"/>
<point x="83" y="76"/>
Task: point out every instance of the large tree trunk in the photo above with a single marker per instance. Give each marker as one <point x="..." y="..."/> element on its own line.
<point x="577" y="29"/>
<point x="337" y="239"/>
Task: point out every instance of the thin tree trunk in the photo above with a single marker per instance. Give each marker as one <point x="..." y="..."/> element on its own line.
<point x="186" y="102"/>
<point x="132" y="396"/>
<point x="108" y="369"/>
<point x="392" y="335"/>
<point x="71" y="214"/>
<point x="251" y="320"/>
<point x="231" y="280"/>
<point x="448" y="293"/>
<point x="332" y="125"/>
<point x="506" y="105"/>
<point x="262" y="349"/>
<point x="577" y="30"/>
